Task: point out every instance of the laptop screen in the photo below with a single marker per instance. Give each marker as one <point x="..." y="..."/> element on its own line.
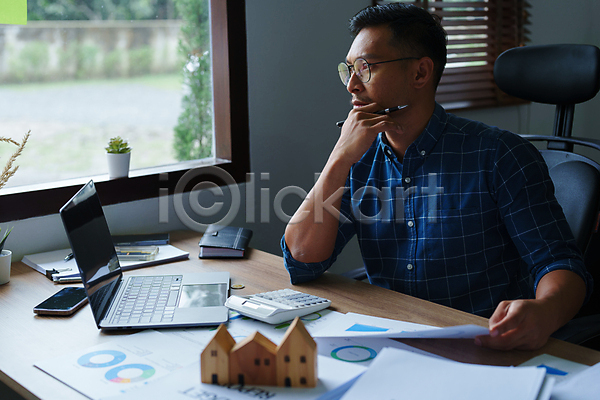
<point x="92" y="247"/>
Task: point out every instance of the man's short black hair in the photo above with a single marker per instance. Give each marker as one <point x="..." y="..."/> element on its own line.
<point x="416" y="31"/>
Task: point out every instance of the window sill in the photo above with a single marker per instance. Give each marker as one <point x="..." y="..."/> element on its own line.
<point x="44" y="199"/>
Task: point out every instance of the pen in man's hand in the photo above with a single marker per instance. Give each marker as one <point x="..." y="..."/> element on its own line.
<point x="380" y="112"/>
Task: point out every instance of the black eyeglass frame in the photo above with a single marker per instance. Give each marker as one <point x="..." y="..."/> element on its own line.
<point x="349" y="68"/>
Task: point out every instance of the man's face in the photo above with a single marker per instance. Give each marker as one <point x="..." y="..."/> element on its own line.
<point x="389" y="83"/>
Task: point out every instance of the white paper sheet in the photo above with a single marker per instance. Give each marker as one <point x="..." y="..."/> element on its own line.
<point x="582" y="386"/>
<point x="559" y="368"/>
<point x="55" y="260"/>
<point x="359" y="325"/>
<point x="360" y="351"/>
<point x="185" y="385"/>
<point x="129" y="362"/>
<point x="398" y="374"/>
<point x="122" y="364"/>
<point x="239" y="327"/>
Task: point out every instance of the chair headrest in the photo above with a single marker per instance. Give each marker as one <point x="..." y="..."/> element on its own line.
<point x="551" y="74"/>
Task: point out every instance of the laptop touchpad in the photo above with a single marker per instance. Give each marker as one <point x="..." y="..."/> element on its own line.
<point x="203" y="295"/>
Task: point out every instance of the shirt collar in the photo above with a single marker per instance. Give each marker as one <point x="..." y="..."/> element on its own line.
<point x="427" y="140"/>
<point x="385" y="147"/>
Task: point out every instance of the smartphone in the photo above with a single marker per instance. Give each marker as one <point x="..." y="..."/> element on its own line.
<point x="65" y="302"/>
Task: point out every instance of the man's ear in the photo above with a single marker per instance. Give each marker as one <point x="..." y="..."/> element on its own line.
<point x="423" y="72"/>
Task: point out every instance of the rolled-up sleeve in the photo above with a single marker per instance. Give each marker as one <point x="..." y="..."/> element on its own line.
<point x="303" y="272"/>
<point x="531" y="213"/>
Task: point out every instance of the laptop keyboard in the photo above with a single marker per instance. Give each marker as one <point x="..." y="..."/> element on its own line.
<point x="148" y="299"/>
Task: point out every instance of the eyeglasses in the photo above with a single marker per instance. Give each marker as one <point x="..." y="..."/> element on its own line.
<point x="362" y="69"/>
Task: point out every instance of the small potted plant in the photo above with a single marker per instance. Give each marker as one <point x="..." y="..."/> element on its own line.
<point x="5" y="259"/>
<point x="118" y="154"/>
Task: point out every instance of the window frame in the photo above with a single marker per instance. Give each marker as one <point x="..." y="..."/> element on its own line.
<point x="230" y="78"/>
<point x="474" y="87"/>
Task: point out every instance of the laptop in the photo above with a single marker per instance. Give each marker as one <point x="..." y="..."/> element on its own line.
<point x="136" y="302"/>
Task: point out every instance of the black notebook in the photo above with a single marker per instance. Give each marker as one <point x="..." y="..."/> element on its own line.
<point x="224" y="241"/>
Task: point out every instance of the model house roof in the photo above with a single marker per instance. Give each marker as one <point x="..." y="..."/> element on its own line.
<point x="297" y="334"/>
<point x="259" y="339"/>
<point x="223" y="339"/>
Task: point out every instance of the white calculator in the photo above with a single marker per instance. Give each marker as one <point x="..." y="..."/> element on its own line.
<point x="277" y="306"/>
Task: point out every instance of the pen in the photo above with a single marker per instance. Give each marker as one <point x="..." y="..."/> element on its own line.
<point x="71" y="279"/>
<point x="50" y="273"/>
<point x="380" y="112"/>
<point x="69" y="256"/>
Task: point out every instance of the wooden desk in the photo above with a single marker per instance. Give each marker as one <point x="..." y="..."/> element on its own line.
<point x="26" y="339"/>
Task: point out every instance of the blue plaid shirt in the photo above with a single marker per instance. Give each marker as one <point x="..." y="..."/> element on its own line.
<point x="467" y="219"/>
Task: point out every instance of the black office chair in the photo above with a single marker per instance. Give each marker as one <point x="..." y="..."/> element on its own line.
<point x="565" y="75"/>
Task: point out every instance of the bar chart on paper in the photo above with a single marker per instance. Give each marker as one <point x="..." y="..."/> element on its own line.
<point x="359" y="325"/>
<point x="365" y="328"/>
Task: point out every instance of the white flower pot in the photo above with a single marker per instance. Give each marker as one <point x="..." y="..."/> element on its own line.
<point x="5" y="258"/>
<point x="118" y="165"/>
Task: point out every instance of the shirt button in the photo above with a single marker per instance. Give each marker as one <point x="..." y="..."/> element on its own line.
<point x="410" y="224"/>
<point x="388" y="152"/>
<point x="407" y="180"/>
<point x="409" y="267"/>
<point x="423" y="152"/>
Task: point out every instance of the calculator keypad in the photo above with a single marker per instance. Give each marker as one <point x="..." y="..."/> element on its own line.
<point x="291" y="298"/>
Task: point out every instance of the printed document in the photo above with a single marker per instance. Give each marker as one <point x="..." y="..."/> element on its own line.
<point x="398" y="374"/>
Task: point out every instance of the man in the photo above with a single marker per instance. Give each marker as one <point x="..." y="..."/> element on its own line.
<point x="445" y="209"/>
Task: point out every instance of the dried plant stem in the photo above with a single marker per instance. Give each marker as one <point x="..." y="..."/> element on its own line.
<point x="9" y="140"/>
<point x="9" y="170"/>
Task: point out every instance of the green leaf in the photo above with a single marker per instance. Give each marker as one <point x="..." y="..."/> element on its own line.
<point x="4" y="238"/>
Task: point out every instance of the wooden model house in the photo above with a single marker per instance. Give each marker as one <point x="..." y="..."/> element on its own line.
<point x="252" y="361"/>
<point x="297" y="358"/>
<point x="214" y="361"/>
<point x="258" y="361"/>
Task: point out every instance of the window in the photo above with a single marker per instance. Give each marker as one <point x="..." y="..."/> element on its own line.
<point x="229" y="78"/>
<point x="478" y="32"/>
<point x="213" y="353"/>
<point x="303" y="359"/>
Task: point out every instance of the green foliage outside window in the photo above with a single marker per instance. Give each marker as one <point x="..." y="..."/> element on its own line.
<point x="193" y="133"/>
<point x="49" y="10"/>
